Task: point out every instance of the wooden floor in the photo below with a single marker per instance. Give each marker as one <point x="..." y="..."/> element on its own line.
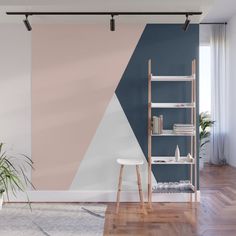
<point x="214" y="216"/>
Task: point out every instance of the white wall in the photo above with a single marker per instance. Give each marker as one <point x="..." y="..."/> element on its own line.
<point x="204" y="38"/>
<point x="231" y="70"/>
<point x="204" y="34"/>
<point x="15" y="88"/>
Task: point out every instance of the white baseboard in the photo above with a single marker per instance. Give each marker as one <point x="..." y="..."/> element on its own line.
<point x="99" y="196"/>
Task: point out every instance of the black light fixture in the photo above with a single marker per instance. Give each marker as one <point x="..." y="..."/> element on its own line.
<point x="111" y="13"/>
<point x="27" y="24"/>
<point x="112" y="23"/>
<point x="186" y="23"/>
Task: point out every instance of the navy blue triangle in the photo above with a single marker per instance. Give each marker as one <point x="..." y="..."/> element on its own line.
<point x="171" y="50"/>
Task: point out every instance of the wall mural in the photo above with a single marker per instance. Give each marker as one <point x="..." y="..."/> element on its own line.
<point x="89" y="101"/>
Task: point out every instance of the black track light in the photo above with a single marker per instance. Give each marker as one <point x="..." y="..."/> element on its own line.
<point x="112" y="23"/>
<point x="186" y="23"/>
<point x="27" y="24"/>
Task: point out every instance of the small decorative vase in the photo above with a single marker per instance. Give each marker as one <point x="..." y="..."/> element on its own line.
<point x="177" y="154"/>
<point x="189" y="158"/>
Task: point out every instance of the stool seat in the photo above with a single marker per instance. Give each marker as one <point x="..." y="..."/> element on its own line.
<point x="131" y="162"/>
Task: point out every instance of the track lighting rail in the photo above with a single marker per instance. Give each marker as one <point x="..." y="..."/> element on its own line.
<point x="29" y="13"/>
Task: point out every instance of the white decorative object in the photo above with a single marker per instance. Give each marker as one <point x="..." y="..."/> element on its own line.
<point x="189" y="158"/>
<point x="177" y="153"/>
<point x="172" y="187"/>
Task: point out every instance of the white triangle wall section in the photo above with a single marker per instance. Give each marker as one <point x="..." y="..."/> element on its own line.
<point x="113" y="139"/>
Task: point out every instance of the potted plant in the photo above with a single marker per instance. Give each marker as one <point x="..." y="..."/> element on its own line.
<point x="12" y="173"/>
<point x="205" y="124"/>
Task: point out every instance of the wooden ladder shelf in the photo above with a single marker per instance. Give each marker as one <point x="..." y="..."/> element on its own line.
<point x="192" y="106"/>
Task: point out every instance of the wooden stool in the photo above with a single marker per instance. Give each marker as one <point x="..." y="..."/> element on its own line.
<point x="130" y="162"/>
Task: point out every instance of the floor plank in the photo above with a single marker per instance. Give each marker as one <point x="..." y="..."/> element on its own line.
<point x="214" y="216"/>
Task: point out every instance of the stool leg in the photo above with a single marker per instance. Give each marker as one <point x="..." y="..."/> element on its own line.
<point x="140" y="188"/>
<point x="119" y="189"/>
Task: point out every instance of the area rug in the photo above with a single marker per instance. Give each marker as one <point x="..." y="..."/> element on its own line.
<point x="53" y="219"/>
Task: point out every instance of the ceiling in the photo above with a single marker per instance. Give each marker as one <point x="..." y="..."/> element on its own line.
<point x="221" y="11"/>
<point x="213" y="10"/>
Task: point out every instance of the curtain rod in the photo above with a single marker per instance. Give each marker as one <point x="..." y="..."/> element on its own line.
<point x="213" y="23"/>
<point x="30" y="13"/>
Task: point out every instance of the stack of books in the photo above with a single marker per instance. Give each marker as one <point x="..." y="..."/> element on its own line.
<point x="183" y="129"/>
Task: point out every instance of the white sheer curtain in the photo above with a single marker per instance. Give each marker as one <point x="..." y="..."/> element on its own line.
<point x="219" y="95"/>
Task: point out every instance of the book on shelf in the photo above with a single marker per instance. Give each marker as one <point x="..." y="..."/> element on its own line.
<point x="157" y="127"/>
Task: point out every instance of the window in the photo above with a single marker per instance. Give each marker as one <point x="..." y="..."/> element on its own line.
<point x="205" y="79"/>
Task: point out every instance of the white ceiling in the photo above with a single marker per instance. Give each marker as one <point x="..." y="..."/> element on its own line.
<point x="221" y="11"/>
<point x="213" y="10"/>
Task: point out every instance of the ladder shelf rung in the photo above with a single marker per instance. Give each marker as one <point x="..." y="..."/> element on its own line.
<point x="170" y="160"/>
<point x="173" y="133"/>
<point x="172" y="105"/>
<point x="172" y="78"/>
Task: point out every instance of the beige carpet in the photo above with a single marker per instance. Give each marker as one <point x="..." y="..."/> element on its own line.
<point x="52" y="219"/>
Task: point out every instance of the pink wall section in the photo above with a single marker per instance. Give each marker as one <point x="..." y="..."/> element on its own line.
<point x="75" y="71"/>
